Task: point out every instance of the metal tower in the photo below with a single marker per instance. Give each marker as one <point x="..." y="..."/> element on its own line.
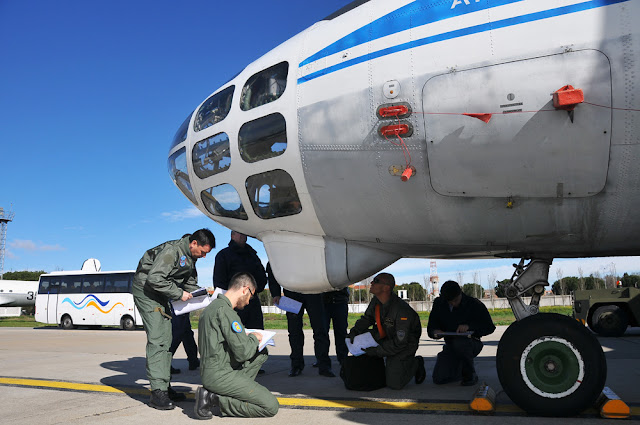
<point x="434" y="279"/>
<point x="5" y="217"/>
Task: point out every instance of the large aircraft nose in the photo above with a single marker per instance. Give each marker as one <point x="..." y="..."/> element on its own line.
<point x="233" y="128"/>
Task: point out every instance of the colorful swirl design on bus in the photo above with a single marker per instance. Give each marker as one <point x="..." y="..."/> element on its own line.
<point x="92" y="302"/>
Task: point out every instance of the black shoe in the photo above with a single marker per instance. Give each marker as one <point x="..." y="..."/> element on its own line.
<point x="174" y="371"/>
<point x="470" y="381"/>
<point x="262" y="372"/>
<point x="421" y="373"/>
<point x="327" y="372"/>
<point x="202" y="408"/>
<point x="160" y="400"/>
<point x="315" y="364"/>
<point x="194" y="364"/>
<point x="295" y="371"/>
<point x="176" y="396"/>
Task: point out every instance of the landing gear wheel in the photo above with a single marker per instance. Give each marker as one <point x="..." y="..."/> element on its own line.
<point x="550" y="365"/>
<point x="609" y="320"/>
<point x="66" y="322"/>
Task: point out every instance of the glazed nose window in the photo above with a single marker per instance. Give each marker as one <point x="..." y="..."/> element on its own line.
<point x="177" y="165"/>
<point x="223" y="200"/>
<point x="263" y="138"/>
<point x="214" y="109"/>
<point x="211" y="155"/>
<point x="181" y="134"/>
<point x="273" y="194"/>
<point x="264" y="87"/>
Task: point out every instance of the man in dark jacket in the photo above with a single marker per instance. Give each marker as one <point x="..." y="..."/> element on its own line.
<point x="458" y="313"/>
<point x="396" y="328"/>
<point x="166" y="272"/>
<point x="241" y="257"/>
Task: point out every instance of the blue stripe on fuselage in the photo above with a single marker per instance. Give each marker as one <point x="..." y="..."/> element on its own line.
<point x="461" y="33"/>
<point x="413" y="15"/>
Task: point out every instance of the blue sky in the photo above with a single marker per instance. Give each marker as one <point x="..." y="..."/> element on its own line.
<point x="91" y="94"/>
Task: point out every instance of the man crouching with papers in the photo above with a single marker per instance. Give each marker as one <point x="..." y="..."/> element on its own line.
<point x="395" y="326"/>
<point x="230" y="359"/>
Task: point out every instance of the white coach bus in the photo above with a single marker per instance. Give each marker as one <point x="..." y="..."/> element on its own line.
<point x="81" y="298"/>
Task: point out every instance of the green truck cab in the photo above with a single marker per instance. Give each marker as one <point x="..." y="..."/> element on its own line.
<point x="607" y="312"/>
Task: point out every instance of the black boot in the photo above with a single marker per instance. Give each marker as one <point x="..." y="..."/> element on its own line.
<point x="160" y="400"/>
<point x="176" y="396"/>
<point x="193" y="365"/>
<point x="421" y="373"/>
<point x="202" y="408"/>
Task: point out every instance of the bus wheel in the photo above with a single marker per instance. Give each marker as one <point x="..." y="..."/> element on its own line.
<point x="550" y="365"/>
<point x="127" y="323"/>
<point x="610" y="320"/>
<point x="66" y="322"/>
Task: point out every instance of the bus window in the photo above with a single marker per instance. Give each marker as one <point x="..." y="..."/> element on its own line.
<point x="65" y="285"/>
<point x="43" y="288"/>
<point x="93" y="284"/>
<point x="117" y="283"/>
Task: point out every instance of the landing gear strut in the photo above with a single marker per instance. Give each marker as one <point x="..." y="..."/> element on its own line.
<point x="548" y="364"/>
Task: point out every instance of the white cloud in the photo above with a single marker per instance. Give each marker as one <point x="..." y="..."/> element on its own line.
<point x="29" y="245"/>
<point x="191" y="212"/>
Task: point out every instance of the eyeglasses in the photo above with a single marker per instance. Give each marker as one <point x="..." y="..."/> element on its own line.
<point x="251" y="292"/>
<point x="376" y="280"/>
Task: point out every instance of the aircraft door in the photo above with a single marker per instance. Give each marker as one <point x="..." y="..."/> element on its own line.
<point x="528" y="148"/>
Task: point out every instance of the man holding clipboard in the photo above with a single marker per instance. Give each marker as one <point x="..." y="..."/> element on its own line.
<point x="462" y="321"/>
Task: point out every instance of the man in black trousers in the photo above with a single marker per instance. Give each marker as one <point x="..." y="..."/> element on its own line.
<point x="455" y="312"/>
<point x="313" y="304"/>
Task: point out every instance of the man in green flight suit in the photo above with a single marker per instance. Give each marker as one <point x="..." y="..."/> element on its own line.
<point x="230" y="360"/>
<point x="166" y="272"/>
<point x="396" y="328"/>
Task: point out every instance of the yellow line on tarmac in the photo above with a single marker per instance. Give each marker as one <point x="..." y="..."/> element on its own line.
<point x="285" y="401"/>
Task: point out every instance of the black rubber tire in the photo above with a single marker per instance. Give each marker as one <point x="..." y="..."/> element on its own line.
<point x="66" y="322"/>
<point x="128" y="324"/>
<point x="609" y="320"/>
<point x="540" y="331"/>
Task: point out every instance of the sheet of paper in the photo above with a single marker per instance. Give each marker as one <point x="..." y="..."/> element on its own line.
<point x="289" y="304"/>
<point x="195" y="303"/>
<point x="361" y="342"/>
<point x="267" y="337"/>
<point x="467" y="334"/>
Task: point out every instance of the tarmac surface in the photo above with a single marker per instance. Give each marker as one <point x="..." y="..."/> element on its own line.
<point x="53" y="376"/>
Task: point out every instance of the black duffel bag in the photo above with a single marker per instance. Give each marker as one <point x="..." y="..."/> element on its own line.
<point x="363" y="373"/>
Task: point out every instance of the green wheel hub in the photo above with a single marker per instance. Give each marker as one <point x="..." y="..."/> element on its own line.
<point x="552" y="367"/>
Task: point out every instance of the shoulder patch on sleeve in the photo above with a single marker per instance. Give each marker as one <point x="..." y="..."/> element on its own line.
<point x="237" y="327"/>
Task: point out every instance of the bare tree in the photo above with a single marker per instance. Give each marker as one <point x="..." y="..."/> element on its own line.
<point x="581" y="279"/>
<point x="460" y="277"/>
<point x="492" y="282"/>
<point x="598" y="279"/>
<point x="427" y="287"/>
<point x="611" y="277"/>
<point x="560" y="280"/>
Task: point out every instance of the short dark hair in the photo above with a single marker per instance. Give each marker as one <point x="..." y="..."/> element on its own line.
<point x="241" y="279"/>
<point x="203" y="237"/>
<point x="450" y="289"/>
<point x="387" y="279"/>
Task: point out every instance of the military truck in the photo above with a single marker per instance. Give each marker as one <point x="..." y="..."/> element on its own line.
<point x="607" y="312"/>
